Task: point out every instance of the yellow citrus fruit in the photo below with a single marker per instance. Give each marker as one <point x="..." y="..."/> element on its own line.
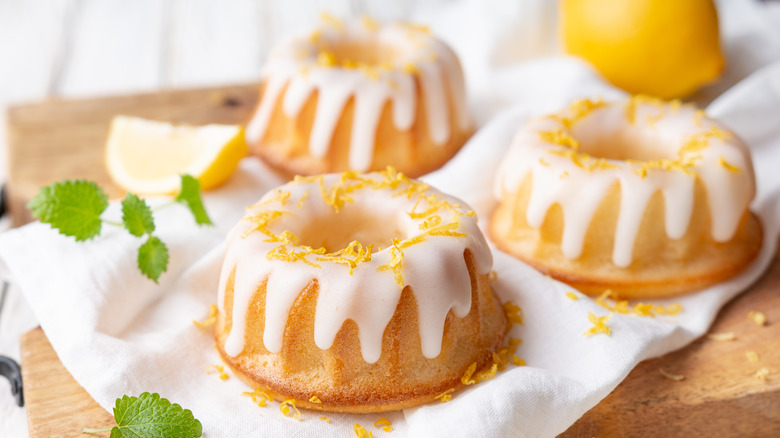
<point x="148" y="157"/>
<point x="664" y="48"/>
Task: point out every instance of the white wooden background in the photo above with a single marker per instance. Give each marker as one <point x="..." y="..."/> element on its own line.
<point x="83" y="48"/>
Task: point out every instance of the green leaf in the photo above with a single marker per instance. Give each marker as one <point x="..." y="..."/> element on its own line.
<point x="151" y="416"/>
<point x="153" y="258"/>
<point x="73" y="207"/>
<point x="137" y="216"/>
<point x="190" y="196"/>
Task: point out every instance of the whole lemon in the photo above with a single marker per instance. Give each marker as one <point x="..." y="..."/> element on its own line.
<point x="664" y="48"/>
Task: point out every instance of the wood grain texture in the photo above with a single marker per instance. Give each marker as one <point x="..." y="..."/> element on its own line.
<point x="56" y="405"/>
<point x="61" y="139"/>
<point x="720" y="396"/>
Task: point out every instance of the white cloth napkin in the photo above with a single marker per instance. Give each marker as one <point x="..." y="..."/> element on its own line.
<point x="119" y="333"/>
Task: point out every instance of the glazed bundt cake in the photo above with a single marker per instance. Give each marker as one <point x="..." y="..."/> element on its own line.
<point x="362" y="292"/>
<point x="644" y="197"/>
<point x="359" y="95"/>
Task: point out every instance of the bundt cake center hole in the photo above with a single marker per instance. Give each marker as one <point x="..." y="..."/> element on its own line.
<point x="373" y="54"/>
<point x="337" y="230"/>
<point x="602" y="137"/>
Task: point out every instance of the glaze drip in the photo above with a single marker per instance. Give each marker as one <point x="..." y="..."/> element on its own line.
<point x="307" y="65"/>
<point x="576" y="156"/>
<point x="360" y="281"/>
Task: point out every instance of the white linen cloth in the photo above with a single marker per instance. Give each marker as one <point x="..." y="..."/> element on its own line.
<point x="119" y="333"/>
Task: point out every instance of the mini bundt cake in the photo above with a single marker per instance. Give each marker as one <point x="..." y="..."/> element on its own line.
<point x="358" y="95"/>
<point x="357" y="293"/>
<point x="644" y="197"/>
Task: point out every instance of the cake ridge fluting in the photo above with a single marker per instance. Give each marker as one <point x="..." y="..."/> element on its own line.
<point x="360" y="279"/>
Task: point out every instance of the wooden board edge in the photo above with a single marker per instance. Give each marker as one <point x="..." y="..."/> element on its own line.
<point x="56" y="404"/>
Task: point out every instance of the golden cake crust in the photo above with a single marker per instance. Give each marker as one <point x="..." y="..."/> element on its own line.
<point x="663" y="267"/>
<point x="340" y="378"/>
<point x="285" y="145"/>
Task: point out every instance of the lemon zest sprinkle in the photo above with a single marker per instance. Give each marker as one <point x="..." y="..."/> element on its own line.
<point x="466" y="379"/>
<point x="730" y="167"/>
<point x="326" y="58"/>
<point x="580" y="109"/>
<point x="762" y="374"/>
<point x="607" y="301"/>
<point x="259" y="397"/>
<point x="212" y="318"/>
<point x="260" y="221"/>
<point x="315" y="399"/>
<point x="289" y="410"/>
<point x="599" y="324"/>
<point x="572" y="296"/>
<point x="752" y="356"/>
<point x="445" y="396"/>
<point x="636" y="100"/>
<point x="502" y="357"/>
<point x="355" y="250"/>
<point x="518" y="361"/>
<point x="361" y="432"/>
<point x="560" y="137"/>
<point x="384" y="424"/>
<point x="722" y="337"/>
<point x="396" y="255"/>
<point x="303" y="198"/>
<point x="325" y="419"/>
<point x="487" y="373"/>
<point x="670" y="376"/>
<point x="513" y="312"/>
<point x="280" y="196"/>
<point x="758" y="317"/>
<point x="282" y="253"/>
<point x="219" y="370"/>
<point x="644" y="309"/>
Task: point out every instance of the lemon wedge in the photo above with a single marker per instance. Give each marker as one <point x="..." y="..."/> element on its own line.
<point x="148" y="157"/>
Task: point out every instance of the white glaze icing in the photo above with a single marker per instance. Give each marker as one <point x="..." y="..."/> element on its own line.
<point x="664" y="132"/>
<point x="294" y="64"/>
<point x="434" y="268"/>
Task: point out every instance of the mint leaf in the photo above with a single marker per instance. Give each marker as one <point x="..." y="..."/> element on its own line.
<point x="137" y="216"/>
<point x="42" y="205"/>
<point x="190" y="196"/>
<point x="73" y="207"/>
<point x="153" y="258"/>
<point x="151" y="416"/>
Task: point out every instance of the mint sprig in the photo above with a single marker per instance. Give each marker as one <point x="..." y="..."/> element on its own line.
<point x="153" y="258"/>
<point x="74" y="208"/>
<point x="190" y="196"/>
<point x="151" y="416"/>
<point x="137" y="216"/>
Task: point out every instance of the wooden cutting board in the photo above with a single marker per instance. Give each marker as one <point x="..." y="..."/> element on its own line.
<point x="720" y="395"/>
